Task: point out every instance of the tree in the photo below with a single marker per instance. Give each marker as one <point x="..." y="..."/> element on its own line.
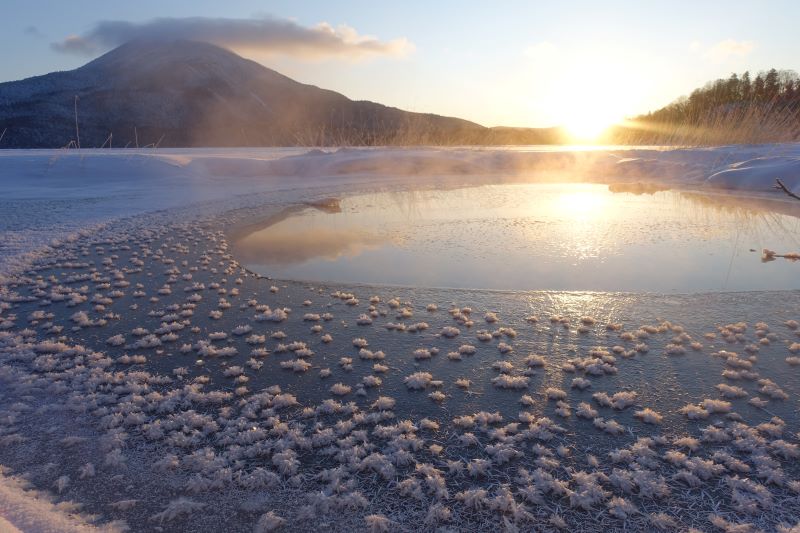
<point x="732" y="88"/>
<point x="746" y="91"/>
<point x="758" y="88"/>
<point x="787" y="81"/>
<point x="790" y="90"/>
<point x="771" y="87"/>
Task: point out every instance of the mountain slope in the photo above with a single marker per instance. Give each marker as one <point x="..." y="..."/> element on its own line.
<point x="196" y="94"/>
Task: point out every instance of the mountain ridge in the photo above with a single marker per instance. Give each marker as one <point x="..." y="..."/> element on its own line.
<point x="194" y="94"/>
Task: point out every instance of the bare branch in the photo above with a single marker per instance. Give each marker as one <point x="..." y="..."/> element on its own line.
<point x="782" y="187"/>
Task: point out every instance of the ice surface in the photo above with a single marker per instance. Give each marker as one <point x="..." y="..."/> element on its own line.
<point x="196" y="444"/>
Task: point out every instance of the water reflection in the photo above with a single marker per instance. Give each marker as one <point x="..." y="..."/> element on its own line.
<point x="284" y="246"/>
<point x="535" y="236"/>
<point x="637" y="187"/>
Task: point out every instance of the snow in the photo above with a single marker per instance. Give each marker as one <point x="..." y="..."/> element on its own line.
<point x="30" y="512"/>
<point x="759" y="174"/>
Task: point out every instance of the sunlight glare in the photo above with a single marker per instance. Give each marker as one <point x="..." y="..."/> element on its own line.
<point x="587" y="128"/>
<point x="581" y="204"/>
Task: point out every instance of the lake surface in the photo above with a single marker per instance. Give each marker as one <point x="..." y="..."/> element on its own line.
<point x="535" y="237"/>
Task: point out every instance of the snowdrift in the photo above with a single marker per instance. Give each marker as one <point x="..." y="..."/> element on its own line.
<point x="758" y="174"/>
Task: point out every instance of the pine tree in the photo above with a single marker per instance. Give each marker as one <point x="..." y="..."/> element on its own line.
<point x="771" y="87"/>
<point x="758" y="88"/>
<point x="732" y="89"/>
<point x="746" y="91"/>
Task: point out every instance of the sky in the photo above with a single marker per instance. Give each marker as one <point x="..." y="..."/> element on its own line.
<point x="504" y="63"/>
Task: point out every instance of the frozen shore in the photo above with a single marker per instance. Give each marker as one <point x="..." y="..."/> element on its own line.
<point x="51" y="194"/>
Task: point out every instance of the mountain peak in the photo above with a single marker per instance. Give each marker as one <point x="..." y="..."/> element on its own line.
<point x="176" y="60"/>
<point x="162" y="51"/>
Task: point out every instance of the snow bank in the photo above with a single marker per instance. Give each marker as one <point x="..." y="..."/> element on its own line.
<point x="32" y="512"/>
<point x="73" y="173"/>
<point x="759" y="174"/>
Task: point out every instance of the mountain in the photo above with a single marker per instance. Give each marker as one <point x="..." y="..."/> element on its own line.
<point x="186" y="93"/>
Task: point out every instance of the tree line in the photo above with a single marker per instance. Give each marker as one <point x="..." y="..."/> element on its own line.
<point x="776" y="89"/>
<point x="737" y="109"/>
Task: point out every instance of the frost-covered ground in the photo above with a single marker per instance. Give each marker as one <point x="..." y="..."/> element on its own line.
<point x="150" y="382"/>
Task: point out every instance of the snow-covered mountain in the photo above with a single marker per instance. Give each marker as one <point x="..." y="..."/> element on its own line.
<point x="186" y="93"/>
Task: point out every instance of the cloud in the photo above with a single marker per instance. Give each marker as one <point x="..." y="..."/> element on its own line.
<point x="264" y="34"/>
<point x="729" y="48"/>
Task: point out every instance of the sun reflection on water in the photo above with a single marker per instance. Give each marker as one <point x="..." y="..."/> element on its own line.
<point x="581" y="205"/>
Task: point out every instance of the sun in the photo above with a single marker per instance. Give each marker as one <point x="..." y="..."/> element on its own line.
<point x="585" y="113"/>
<point x="587" y="128"/>
<point x="586" y="121"/>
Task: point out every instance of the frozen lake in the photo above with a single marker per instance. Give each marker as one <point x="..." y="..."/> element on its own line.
<point x="144" y="352"/>
<point x="535" y="236"/>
